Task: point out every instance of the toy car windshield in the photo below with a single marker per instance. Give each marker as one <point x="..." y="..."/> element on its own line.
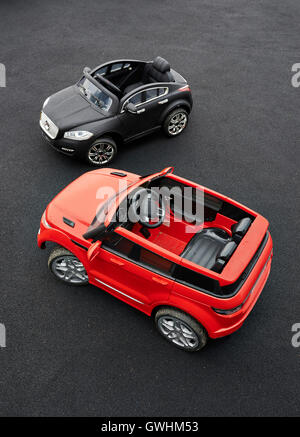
<point x="94" y="94"/>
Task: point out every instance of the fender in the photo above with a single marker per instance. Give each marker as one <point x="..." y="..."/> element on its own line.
<point x="60" y="238"/>
<point x="116" y="136"/>
<point x="110" y="126"/>
<point x="179" y="103"/>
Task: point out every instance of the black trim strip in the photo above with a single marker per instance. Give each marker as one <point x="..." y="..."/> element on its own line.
<point x="118" y="173"/>
<point x="68" y="222"/>
<point x="80" y="245"/>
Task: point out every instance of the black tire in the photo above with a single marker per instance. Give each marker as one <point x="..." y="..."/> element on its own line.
<point x="56" y="257"/>
<point x="179" y="125"/>
<point x="196" y="332"/>
<point x="106" y="144"/>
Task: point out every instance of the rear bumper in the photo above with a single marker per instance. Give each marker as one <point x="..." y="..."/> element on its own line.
<point x="252" y="301"/>
<point x="227" y="324"/>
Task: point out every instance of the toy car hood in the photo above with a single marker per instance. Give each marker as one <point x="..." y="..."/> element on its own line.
<point x="68" y="109"/>
<point x="80" y="201"/>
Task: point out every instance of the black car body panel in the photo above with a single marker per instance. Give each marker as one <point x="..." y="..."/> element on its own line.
<point x="155" y="93"/>
<point x="69" y="109"/>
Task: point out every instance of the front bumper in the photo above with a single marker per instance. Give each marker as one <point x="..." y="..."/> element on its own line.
<point x="68" y="147"/>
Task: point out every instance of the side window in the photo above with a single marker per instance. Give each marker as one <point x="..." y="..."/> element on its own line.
<point x="151" y="94"/>
<point x="155" y="92"/>
<point x="162" y="91"/>
<point x="116" y="67"/>
<point x="136" y="99"/>
<point x="102" y="71"/>
<point x="195" y="279"/>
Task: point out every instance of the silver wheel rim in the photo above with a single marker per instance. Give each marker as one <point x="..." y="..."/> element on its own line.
<point x="178" y="332"/>
<point x="177" y="123"/>
<point x="101" y="153"/>
<point x="69" y="269"/>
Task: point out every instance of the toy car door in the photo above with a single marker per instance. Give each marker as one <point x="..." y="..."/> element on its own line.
<point x="131" y="273"/>
<point x="149" y="104"/>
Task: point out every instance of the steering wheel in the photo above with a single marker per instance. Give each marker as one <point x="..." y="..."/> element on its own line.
<point x="151" y="207"/>
<point x="110" y="85"/>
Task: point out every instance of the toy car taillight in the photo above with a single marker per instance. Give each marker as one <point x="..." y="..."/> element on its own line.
<point x="228" y="312"/>
<point x="185" y="88"/>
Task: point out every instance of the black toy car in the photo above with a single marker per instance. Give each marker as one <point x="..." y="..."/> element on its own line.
<point x="113" y="104"/>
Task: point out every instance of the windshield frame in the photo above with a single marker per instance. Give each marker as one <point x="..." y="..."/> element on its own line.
<point x="115" y="101"/>
<point x="121" y="196"/>
<point x="118" y="199"/>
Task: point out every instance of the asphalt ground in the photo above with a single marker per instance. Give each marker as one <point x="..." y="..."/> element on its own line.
<point x="81" y="351"/>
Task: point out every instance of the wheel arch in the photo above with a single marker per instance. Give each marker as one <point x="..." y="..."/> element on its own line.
<point x="117" y="137"/>
<point x="60" y="239"/>
<point x="178" y="104"/>
<point x="189" y="312"/>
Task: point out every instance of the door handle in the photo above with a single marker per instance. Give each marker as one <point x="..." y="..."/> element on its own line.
<point x="162" y="102"/>
<point x="159" y="281"/>
<point x="139" y="111"/>
<point x="116" y="261"/>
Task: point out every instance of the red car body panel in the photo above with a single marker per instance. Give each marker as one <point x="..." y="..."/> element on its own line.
<point x="146" y="289"/>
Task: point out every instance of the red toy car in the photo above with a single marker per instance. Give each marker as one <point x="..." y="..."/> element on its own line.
<point x="198" y="271"/>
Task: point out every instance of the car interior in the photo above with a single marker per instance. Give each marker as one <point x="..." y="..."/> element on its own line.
<point x="209" y="243"/>
<point x="127" y="76"/>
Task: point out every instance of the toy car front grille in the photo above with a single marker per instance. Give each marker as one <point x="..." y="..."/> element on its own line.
<point x="48" y="126"/>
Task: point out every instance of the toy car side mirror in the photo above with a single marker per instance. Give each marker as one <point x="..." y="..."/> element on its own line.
<point x="87" y="70"/>
<point x="130" y="107"/>
<point x="96" y="232"/>
<point x="93" y="250"/>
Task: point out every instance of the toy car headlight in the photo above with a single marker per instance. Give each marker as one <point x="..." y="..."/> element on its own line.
<point x="45" y="102"/>
<point x="44" y="221"/>
<point x="78" y="135"/>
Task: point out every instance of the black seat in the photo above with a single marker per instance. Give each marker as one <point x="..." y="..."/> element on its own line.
<point x="157" y="71"/>
<point x="212" y="247"/>
<point x="240" y="228"/>
<point x="204" y="247"/>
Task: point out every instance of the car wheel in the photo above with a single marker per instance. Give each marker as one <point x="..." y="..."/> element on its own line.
<point x="102" y="152"/>
<point x="180" y="329"/>
<point x="175" y="122"/>
<point x="66" y="267"/>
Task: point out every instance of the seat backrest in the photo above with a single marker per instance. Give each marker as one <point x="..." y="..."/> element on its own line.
<point x="158" y="71"/>
<point x="240" y="228"/>
<point x="223" y="256"/>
